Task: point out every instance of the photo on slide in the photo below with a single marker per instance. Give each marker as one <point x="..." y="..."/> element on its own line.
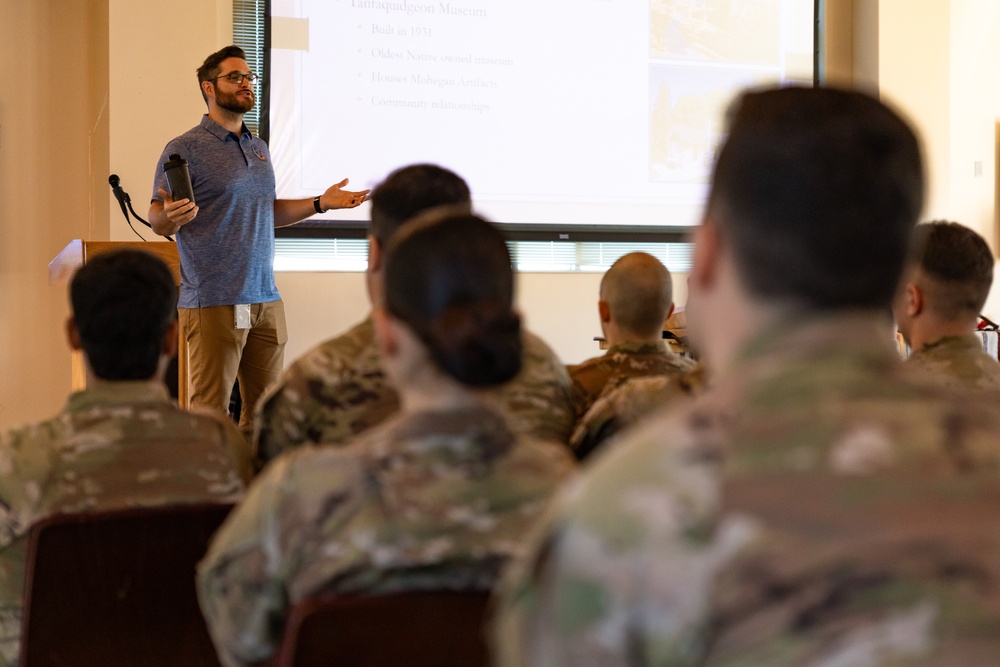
<point x="746" y="31"/>
<point x="687" y="108"/>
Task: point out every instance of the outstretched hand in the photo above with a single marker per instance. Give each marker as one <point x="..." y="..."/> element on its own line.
<point x="335" y="197"/>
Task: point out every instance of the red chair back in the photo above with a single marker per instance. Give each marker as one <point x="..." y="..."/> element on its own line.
<point x="420" y="629"/>
<point x="116" y="588"/>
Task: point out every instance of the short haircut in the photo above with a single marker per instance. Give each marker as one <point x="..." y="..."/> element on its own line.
<point x="638" y="291"/>
<point x="448" y="276"/>
<point x="958" y="263"/>
<point x="123" y="304"/>
<point x="411" y="190"/>
<point x="211" y="68"/>
<point x="818" y="191"/>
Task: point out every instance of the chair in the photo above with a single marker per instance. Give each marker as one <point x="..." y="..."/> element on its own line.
<point x="425" y="629"/>
<point x="116" y="588"/>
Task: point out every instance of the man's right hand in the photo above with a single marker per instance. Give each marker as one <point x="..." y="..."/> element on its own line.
<point x="168" y="216"/>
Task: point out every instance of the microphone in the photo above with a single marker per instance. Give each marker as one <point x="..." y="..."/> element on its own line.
<point x="120" y="194"/>
<point x="126" y="203"/>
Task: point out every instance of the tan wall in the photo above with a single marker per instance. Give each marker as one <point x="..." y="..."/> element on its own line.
<point x="46" y="115"/>
<point x="90" y="87"/>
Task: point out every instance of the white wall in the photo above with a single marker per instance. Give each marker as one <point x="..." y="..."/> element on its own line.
<point x="155" y="49"/>
<point x="975" y="109"/>
<point x="938" y="61"/>
<point x="914" y="74"/>
<point x="561" y="308"/>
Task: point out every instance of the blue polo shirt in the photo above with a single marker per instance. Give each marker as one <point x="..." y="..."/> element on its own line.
<point x="227" y="251"/>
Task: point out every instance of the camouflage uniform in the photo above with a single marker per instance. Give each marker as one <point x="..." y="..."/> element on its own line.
<point x="596" y="377"/>
<point x="629" y="402"/>
<point x="818" y="506"/>
<point x="119" y="444"/>
<point x="959" y="362"/>
<point x="428" y="500"/>
<point x="338" y="389"/>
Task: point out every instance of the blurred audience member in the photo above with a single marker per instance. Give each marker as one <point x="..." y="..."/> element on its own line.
<point x="937" y="308"/>
<point x="438" y="496"/>
<point x="121" y="442"/>
<point x="627" y="404"/>
<point x="820" y="503"/>
<point x="635" y="300"/>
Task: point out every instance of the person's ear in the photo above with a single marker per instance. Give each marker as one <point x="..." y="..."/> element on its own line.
<point x="170" y="340"/>
<point x="604" y="311"/>
<point x="914" y="299"/>
<point x="386" y="336"/>
<point x="73" y="334"/>
<point x="209" y="89"/>
<point x="374" y="254"/>
<point x="707" y="254"/>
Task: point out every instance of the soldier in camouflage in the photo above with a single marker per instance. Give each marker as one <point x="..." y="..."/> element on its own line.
<point x="945" y="285"/>
<point x="819" y="504"/>
<point x="339" y="389"/>
<point x="436" y="497"/>
<point x="636" y="297"/>
<point x="121" y="442"/>
<point x="627" y="404"/>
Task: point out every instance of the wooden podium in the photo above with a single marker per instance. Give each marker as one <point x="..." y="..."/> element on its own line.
<point x="78" y="253"/>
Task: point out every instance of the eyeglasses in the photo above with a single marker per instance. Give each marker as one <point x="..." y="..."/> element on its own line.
<point x="238" y="77"/>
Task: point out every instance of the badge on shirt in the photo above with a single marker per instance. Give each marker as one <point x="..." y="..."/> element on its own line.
<point x="259" y="153"/>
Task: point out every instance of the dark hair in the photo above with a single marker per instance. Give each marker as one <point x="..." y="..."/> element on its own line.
<point x="818" y="190"/>
<point x="958" y="260"/>
<point x="211" y="68"/>
<point x="448" y="277"/>
<point x="411" y="190"/>
<point x="123" y="304"/>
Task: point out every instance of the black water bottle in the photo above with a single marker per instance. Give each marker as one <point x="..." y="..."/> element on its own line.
<point x="178" y="178"/>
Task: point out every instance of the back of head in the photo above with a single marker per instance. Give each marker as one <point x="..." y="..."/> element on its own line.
<point x="448" y="277"/>
<point x="123" y="305"/>
<point x="411" y="190"/>
<point x="638" y="291"/>
<point x="956" y="267"/>
<point x="818" y="191"/>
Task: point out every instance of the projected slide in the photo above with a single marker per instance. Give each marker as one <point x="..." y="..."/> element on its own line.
<point x="583" y="112"/>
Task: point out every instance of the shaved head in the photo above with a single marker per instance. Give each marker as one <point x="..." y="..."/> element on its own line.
<point x="955" y="269"/>
<point x="639" y="293"/>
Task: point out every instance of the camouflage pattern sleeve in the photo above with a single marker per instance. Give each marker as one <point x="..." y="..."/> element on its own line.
<point x="25" y="466"/>
<point x="329" y="395"/>
<point x="599" y="376"/>
<point x="629" y="403"/>
<point x="233" y="441"/>
<point x="279" y="422"/>
<point x="959" y="363"/>
<point x="243" y="580"/>
<point x="573" y="600"/>
<point x="539" y="401"/>
<point x="23" y="472"/>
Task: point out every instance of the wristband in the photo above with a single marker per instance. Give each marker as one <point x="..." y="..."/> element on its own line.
<point x="316" y="205"/>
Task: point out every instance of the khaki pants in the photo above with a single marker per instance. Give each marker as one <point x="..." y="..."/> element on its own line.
<point x="219" y="353"/>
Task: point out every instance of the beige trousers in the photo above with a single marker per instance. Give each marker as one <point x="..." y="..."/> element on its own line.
<point x="219" y="353"/>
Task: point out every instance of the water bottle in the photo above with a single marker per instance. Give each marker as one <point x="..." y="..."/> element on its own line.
<point x="178" y="178"/>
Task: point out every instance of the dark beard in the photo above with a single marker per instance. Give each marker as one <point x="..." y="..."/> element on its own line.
<point x="233" y="102"/>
